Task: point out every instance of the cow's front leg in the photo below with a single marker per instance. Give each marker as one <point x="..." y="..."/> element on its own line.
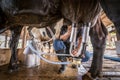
<point x="15" y="35"/>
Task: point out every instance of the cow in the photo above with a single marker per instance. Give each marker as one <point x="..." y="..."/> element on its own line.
<point x="112" y="10"/>
<point x="14" y="14"/>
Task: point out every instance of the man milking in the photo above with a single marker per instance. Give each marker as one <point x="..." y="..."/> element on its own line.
<point x="62" y="45"/>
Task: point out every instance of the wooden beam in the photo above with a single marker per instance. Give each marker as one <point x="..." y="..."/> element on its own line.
<point x="111" y="74"/>
<point x="24" y="37"/>
<point x="5" y="40"/>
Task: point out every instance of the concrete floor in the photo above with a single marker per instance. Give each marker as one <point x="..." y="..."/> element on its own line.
<point x="46" y="71"/>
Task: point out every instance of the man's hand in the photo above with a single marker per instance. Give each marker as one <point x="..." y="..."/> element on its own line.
<point x="75" y="51"/>
<point x="65" y="36"/>
<point x="69" y="29"/>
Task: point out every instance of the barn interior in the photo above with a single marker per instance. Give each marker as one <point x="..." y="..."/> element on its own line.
<point x="34" y="68"/>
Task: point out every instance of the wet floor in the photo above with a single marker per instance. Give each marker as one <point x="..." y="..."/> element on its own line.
<point x="45" y="71"/>
<point x="48" y="71"/>
<point x="36" y="74"/>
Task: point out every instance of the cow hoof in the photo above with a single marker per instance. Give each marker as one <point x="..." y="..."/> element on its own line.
<point x="74" y="66"/>
<point x="12" y="70"/>
<point x="100" y="75"/>
<point x="87" y="76"/>
<point x="61" y="70"/>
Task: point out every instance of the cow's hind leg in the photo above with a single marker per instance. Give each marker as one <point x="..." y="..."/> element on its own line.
<point x="15" y="35"/>
<point x="98" y="51"/>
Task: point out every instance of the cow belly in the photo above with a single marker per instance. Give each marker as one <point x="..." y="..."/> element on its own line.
<point x="33" y="20"/>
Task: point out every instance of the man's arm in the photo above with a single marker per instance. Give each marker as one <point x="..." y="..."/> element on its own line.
<point x="65" y="36"/>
